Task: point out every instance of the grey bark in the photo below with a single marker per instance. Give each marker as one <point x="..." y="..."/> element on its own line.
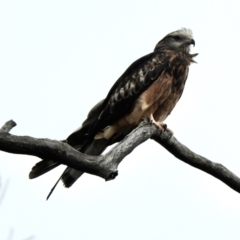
<point x="106" y="166"/>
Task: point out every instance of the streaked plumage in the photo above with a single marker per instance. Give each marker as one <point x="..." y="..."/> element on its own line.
<point x="151" y="86"/>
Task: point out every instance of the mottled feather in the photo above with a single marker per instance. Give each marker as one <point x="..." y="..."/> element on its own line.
<point x="151" y="86"/>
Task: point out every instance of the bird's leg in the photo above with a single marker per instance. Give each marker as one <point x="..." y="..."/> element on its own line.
<point x="162" y="126"/>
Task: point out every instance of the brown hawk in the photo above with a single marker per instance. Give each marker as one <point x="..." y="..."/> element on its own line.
<point x="149" y="88"/>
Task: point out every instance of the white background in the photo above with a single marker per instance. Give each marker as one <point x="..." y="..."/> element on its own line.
<point x="58" y="58"/>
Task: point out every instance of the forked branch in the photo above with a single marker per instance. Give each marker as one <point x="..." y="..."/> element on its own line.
<point x="106" y="166"/>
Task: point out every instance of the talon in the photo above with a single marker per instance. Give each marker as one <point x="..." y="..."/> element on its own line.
<point x="164" y="125"/>
<point x="160" y="125"/>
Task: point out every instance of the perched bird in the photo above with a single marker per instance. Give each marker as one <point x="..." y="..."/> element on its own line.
<point x="149" y="88"/>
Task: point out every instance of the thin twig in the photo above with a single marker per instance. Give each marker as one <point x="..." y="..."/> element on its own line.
<point x="7" y="127"/>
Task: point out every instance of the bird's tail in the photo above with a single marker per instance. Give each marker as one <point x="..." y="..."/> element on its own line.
<point x="42" y="167"/>
<point x="70" y="175"/>
<point x="76" y="140"/>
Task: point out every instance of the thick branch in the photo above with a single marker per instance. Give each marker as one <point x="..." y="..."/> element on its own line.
<point x="105" y="166"/>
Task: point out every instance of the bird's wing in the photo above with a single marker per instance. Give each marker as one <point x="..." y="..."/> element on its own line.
<point x="78" y="137"/>
<point x="121" y="97"/>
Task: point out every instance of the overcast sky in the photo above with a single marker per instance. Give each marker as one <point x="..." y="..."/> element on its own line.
<point x="58" y="58"/>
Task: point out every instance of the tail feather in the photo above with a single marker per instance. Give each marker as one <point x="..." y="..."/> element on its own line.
<point x="42" y="167"/>
<point x="51" y="191"/>
<point x="76" y="140"/>
<point x="71" y="175"/>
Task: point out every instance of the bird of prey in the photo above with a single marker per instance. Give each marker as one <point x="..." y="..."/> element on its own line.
<point x="149" y="88"/>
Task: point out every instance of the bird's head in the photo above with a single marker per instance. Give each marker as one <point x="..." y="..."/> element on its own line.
<point x="180" y="39"/>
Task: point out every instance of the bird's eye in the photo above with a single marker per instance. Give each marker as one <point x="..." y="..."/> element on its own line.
<point x="177" y="38"/>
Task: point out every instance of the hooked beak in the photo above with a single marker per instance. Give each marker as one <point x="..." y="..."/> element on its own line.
<point x="191" y="41"/>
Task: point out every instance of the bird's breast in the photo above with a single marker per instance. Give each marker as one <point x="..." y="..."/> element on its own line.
<point x="158" y="99"/>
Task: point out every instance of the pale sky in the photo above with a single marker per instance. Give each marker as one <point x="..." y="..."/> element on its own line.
<point x="58" y="58"/>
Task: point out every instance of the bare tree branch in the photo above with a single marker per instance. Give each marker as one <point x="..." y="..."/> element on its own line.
<point x="106" y="166"/>
<point x="7" y="127"/>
